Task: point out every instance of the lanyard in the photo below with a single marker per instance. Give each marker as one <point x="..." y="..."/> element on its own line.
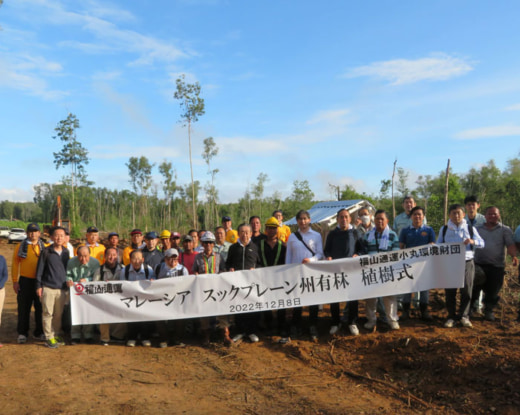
<point x="278" y="251"/>
<point x="209" y="268"/>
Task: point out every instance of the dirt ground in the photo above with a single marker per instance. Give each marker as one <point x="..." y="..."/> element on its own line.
<point x="422" y="368"/>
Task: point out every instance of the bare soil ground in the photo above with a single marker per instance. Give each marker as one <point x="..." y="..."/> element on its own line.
<point x="422" y="368"/>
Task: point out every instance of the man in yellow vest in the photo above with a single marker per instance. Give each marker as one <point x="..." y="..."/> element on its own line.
<point x="23" y="274"/>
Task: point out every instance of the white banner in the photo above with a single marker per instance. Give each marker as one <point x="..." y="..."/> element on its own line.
<point x="272" y="288"/>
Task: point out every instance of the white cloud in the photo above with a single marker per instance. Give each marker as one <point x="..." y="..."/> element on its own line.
<point x="26" y="73"/>
<point x="16" y="195"/>
<point x="436" y="67"/>
<point x="248" y="145"/>
<point x="104" y="10"/>
<point x="94" y="19"/>
<point x="515" y="107"/>
<point x="90" y="48"/>
<point x="333" y="116"/>
<point x="489" y="132"/>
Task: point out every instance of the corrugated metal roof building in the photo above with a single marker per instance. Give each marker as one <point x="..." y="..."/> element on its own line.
<point x="323" y="214"/>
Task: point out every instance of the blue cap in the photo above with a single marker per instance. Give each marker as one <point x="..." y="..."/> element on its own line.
<point x="151" y="235"/>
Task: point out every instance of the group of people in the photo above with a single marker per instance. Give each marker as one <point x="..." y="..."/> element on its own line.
<point x="42" y="272"/>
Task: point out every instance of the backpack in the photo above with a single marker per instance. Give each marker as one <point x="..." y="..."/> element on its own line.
<point x="445" y="228"/>
<point x="127" y="271"/>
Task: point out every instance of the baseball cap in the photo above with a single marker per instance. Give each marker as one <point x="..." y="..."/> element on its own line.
<point x="171" y="252"/>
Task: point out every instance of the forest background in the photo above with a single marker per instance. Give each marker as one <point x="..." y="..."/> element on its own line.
<point x="170" y="204"/>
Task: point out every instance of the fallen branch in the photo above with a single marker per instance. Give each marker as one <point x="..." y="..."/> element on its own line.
<point x="389" y="385"/>
<point x="146" y="382"/>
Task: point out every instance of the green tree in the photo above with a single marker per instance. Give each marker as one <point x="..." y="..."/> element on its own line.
<point x="74" y="155"/>
<point x="402" y="179"/>
<point x="169" y="186"/>
<point x="210" y="152"/>
<point x="140" y="171"/>
<point x="192" y="106"/>
<point x="258" y="190"/>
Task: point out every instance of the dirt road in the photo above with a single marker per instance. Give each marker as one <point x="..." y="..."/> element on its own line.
<point x="419" y="369"/>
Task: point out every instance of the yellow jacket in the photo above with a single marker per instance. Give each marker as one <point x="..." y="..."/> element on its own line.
<point x="25" y="267"/>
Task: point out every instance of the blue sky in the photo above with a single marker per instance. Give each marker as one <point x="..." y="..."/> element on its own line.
<point x="329" y="92"/>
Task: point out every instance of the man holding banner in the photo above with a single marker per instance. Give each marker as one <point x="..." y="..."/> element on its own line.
<point x="381" y="239"/>
<point x="304" y="246"/>
<point x="343" y="242"/>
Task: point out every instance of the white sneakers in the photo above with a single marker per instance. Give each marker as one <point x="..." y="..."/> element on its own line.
<point x="22" y="339"/>
<point x="333" y="330"/>
<point x="464" y="321"/>
<point x="449" y="323"/>
<point x="353" y="330"/>
<point x="394" y="325"/>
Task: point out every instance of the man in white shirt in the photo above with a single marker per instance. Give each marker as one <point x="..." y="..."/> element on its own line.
<point x="304" y="246"/>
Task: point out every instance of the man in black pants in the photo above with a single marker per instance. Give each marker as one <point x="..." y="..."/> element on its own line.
<point x="243" y="255"/>
<point x="343" y="242"/>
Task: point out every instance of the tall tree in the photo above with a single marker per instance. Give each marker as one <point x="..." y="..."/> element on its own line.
<point x="73" y="154"/>
<point x="192" y="106"/>
<point x="140" y="171"/>
<point x="258" y="189"/>
<point x="169" y="186"/>
<point x="210" y="152"/>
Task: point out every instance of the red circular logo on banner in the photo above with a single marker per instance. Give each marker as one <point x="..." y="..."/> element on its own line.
<point x="79" y="287"/>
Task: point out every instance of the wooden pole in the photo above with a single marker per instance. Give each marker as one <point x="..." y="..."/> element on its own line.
<point x="446" y="189"/>
<point x="393" y="199"/>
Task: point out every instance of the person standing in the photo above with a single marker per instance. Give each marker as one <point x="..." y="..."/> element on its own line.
<point x="343" y="242"/>
<point x="113" y="242"/>
<point x="164" y="238"/>
<point x="221" y="245"/>
<point x="381" y="239"/>
<point x="283" y="230"/>
<point x="231" y="234"/>
<point x="414" y="235"/>
<point x="256" y="229"/>
<point x="272" y="253"/>
<point x="403" y="220"/>
<point x="81" y="269"/>
<point x="51" y="282"/>
<point x="96" y="249"/>
<point x="473" y="217"/>
<point x="138" y="271"/>
<point x="458" y="230"/>
<point x="3" y="280"/>
<point x="366" y="223"/>
<point x="187" y="256"/>
<point x="492" y="260"/>
<point x="151" y="253"/>
<point x="304" y="246"/>
<point x="137" y="243"/>
<point x="109" y="271"/>
<point x="210" y="262"/>
<point x="23" y="274"/>
<point x="170" y="268"/>
<point x="243" y="255"/>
